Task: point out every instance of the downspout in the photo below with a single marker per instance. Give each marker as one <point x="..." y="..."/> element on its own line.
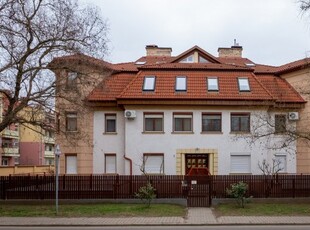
<point x="125" y="157"/>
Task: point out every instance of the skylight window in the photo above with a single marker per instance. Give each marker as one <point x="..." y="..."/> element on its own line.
<point x="212" y="84"/>
<point x="149" y="83"/>
<point x="140" y="62"/>
<point x="250" y="64"/>
<point x="189" y="59"/>
<point x="180" y="84"/>
<point x="244" y="84"/>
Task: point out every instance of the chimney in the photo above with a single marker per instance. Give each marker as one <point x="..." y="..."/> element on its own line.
<point x="154" y="50"/>
<point x="234" y="51"/>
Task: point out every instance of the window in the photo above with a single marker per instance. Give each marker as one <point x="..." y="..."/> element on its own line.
<point x="110" y="163"/>
<point x="212" y="84"/>
<point x="202" y="60"/>
<point x="153" y="163"/>
<point x="189" y="59"/>
<point x="49" y="161"/>
<point x="240" y="122"/>
<point x="5" y="162"/>
<point x="280" y="123"/>
<point x="243" y="84"/>
<point x="110" y="123"/>
<point x="72" y="79"/>
<point x="211" y="122"/>
<point x="240" y="163"/>
<point x="153" y="122"/>
<point x="71" y="164"/>
<point x="280" y="163"/>
<point x="180" y="84"/>
<point x="71" y="121"/>
<point x="182" y="122"/>
<point x="149" y="83"/>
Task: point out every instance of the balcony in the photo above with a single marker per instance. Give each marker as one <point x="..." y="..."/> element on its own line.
<point x="10" y="133"/>
<point x="10" y="152"/>
<point x="49" y="140"/>
<point x="49" y="154"/>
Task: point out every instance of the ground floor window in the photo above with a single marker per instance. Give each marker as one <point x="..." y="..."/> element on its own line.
<point x="49" y="161"/>
<point x="110" y="163"/>
<point x="280" y="163"/>
<point x="153" y="163"/>
<point x="240" y="163"/>
<point x="5" y="162"/>
<point x="71" y="164"/>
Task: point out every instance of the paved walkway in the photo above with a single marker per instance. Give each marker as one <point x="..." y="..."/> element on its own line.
<point x="196" y="216"/>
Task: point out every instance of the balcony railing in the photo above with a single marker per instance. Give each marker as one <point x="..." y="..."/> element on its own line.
<point x="50" y="140"/>
<point x="12" y="152"/>
<point x="49" y="154"/>
<point x="10" y="133"/>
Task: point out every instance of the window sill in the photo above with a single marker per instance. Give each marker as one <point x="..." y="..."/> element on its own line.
<point x="240" y="132"/>
<point x="240" y="173"/>
<point x="211" y="132"/>
<point x="182" y="132"/>
<point x="153" y="132"/>
<point x="110" y="133"/>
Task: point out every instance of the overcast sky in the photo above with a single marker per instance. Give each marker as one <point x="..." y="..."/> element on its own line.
<point x="271" y="32"/>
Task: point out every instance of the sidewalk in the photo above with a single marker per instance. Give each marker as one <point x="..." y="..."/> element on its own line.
<point x="196" y="216"/>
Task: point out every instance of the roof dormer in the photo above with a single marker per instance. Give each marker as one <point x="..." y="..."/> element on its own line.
<point x="195" y="55"/>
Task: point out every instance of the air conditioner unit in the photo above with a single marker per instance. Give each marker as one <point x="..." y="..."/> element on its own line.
<point x="293" y="116"/>
<point x="130" y="114"/>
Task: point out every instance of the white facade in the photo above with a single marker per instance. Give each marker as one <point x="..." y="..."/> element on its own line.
<point x="233" y="152"/>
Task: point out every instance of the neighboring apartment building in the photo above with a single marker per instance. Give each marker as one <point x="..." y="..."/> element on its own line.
<point x="37" y="143"/>
<point x="9" y="139"/>
<point x="169" y="115"/>
<point x="27" y="144"/>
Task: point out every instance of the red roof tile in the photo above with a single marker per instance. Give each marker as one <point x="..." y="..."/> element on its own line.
<point x="111" y="87"/>
<point x="292" y="66"/>
<point x="196" y="86"/>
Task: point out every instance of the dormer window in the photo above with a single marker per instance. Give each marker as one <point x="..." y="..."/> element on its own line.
<point x="72" y="80"/>
<point x="149" y="83"/>
<point x="212" y="84"/>
<point x="180" y="83"/>
<point x="243" y="84"/>
<point x="202" y="60"/>
<point x="189" y="59"/>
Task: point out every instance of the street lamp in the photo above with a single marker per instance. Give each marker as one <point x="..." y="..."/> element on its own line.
<point x="57" y="155"/>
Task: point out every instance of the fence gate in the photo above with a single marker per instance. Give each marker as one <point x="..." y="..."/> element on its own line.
<point x="199" y="191"/>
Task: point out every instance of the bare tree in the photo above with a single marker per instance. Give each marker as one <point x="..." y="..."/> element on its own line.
<point x="32" y="34"/>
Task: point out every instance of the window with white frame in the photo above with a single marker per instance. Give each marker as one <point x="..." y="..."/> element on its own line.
<point x="71" y="121"/>
<point x="110" y="123"/>
<point x="188" y="59"/>
<point x="240" y="163"/>
<point x="153" y="122"/>
<point x="280" y="163"/>
<point x="71" y="164"/>
<point x="149" y="83"/>
<point x="180" y="83"/>
<point x="182" y="122"/>
<point x="243" y="84"/>
<point x="153" y="163"/>
<point x="212" y="84"/>
<point x="110" y="163"/>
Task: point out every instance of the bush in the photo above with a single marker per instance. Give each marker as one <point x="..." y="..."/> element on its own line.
<point x="238" y="191"/>
<point x="146" y="194"/>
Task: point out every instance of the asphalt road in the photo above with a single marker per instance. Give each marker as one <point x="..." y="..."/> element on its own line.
<point x="269" y="227"/>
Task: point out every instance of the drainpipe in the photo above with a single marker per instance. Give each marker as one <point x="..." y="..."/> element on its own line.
<point x="125" y="157"/>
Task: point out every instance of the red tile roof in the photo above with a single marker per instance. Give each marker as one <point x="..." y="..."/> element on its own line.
<point x="292" y="66"/>
<point x="196" y="86"/>
<point x="111" y="87"/>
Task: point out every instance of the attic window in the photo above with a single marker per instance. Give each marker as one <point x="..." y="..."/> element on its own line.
<point x="250" y="64"/>
<point x="180" y="83"/>
<point x="149" y="83"/>
<point x="189" y="59"/>
<point x="243" y="84"/>
<point x="140" y="62"/>
<point x="202" y="60"/>
<point x="212" y="84"/>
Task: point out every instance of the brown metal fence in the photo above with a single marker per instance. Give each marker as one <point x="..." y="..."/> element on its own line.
<point x="125" y="187"/>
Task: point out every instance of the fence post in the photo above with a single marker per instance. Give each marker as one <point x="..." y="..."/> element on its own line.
<point x="294" y="188"/>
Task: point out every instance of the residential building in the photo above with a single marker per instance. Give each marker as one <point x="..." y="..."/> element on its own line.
<point x="166" y="114"/>
<point x="37" y="142"/>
